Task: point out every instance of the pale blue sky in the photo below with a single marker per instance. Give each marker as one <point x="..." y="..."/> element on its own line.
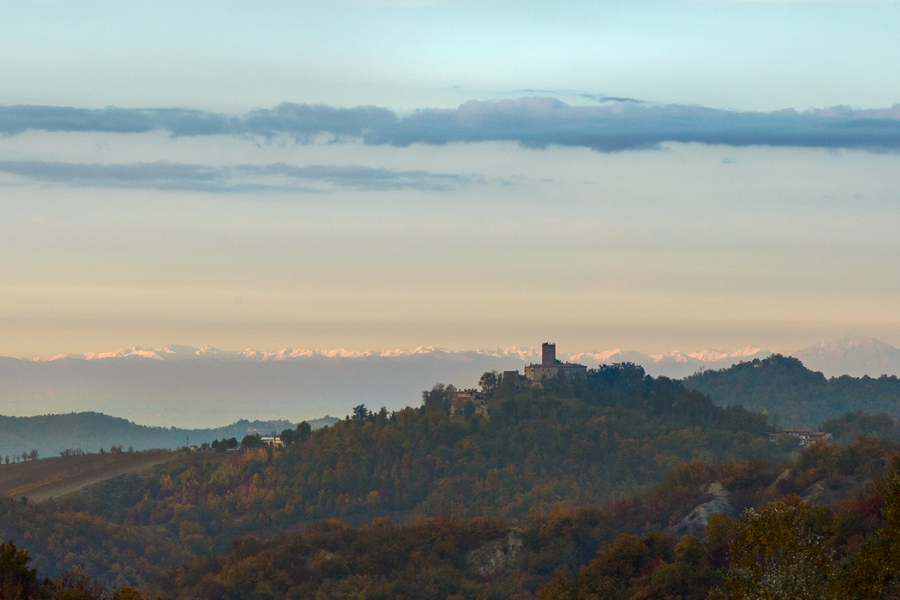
<point x="235" y="56"/>
<point x="695" y="218"/>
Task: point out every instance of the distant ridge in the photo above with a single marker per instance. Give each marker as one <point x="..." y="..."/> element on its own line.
<point x="793" y="395"/>
<point x="673" y="364"/>
<point x="202" y="387"/>
<point x="91" y="431"/>
<point x="177" y="352"/>
<point x="853" y="356"/>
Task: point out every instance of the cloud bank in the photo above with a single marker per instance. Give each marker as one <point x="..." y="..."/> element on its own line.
<point x="535" y="122"/>
<point x="239" y="178"/>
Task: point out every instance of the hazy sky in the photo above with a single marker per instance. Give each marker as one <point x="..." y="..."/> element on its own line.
<point x="373" y="175"/>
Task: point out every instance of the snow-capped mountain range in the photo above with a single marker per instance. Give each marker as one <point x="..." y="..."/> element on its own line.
<point x="850" y="355"/>
<point x="208" y="387"/>
<point x="654" y="363"/>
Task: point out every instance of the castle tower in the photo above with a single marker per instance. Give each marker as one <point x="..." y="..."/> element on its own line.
<point x="548" y="354"/>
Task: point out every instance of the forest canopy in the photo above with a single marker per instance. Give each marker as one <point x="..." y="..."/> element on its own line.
<point x="792" y="395"/>
<point x="600" y="439"/>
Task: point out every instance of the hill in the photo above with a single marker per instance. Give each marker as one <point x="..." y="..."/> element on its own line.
<point x="627" y="549"/>
<point x="792" y="542"/>
<point x="793" y="395"/>
<point x="60" y="476"/>
<point x="603" y="439"/>
<point x="52" y="434"/>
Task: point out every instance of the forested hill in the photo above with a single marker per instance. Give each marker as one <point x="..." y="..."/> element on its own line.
<point x="572" y="443"/>
<point x="784" y="548"/>
<point x="794" y="396"/>
<point x="90" y="431"/>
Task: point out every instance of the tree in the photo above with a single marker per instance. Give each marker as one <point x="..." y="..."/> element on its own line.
<point x="303" y="431"/>
<point x="469" y="410"/>
<point x="33" y="455"/>
<point x="17" y="580"/>
<point x="776" y="557"/>
<point x="298" y="435"/>
<point x="77" y="585"/>
<point x="489" y="382"/>
<point x="127" y="593"/>
<point x="223" y="444"/>
<point x="874" y="571"/>
<point x="360" y="413"/>
<point x="438" y="397"/>
<point x="252" y="441"/>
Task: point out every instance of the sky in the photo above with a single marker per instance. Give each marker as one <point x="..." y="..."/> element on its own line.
<point x="370" y="175"/>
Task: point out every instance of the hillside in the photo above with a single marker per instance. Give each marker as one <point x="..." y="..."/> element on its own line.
<point x="794" y="396"/>
<point x="604" y="439"/>
<point x="623" y="550"/>
<point x="57" y="477"/>
<point x="52" y="434"/>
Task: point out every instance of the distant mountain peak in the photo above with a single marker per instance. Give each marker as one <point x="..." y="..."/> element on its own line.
<point x="851" y="355"/>
<point x="123" y="353"/>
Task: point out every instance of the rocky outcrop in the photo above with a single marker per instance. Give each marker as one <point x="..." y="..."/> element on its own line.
<point x="697" y="520"/>
<point x="501" y="556"/>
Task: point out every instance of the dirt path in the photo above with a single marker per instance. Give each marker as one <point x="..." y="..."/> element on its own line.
<point x="56" y="477"/>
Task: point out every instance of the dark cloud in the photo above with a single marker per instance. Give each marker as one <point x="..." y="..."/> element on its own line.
<point x="240" y="178"/>
<point x="17" y="119"/>
<point x="616" y="99"/>
<point x="304" y="122"/>
<point x="536" y="122"/>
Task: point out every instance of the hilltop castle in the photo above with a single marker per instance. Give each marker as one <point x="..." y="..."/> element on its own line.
<point x="550" y="368"/>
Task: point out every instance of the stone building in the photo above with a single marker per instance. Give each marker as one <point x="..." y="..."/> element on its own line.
<point x="549" y="368"/>
<point x="459" y="399"/>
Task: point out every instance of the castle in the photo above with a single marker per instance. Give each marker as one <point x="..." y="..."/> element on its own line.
<point x="550" y="368"/>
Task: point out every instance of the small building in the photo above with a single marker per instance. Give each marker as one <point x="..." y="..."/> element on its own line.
<point x="510" y="378"/>
<point x="271" y="440"/>
<point x="459" y="399"/>
<point x="549" y="368"/>
<point x="807" y="436"/>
